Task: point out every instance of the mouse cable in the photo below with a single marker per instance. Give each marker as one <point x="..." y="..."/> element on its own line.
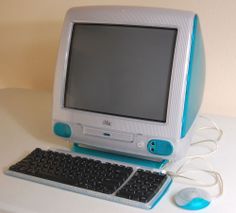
<point x="181" y="173"/>
<point x="213" y="141"/>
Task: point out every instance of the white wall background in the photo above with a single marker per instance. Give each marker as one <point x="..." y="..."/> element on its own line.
<point x="30" y="30"/>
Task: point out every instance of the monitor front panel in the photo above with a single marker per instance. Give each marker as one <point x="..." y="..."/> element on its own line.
<point x="120" y="70"/>
<point x="121" y="76"/>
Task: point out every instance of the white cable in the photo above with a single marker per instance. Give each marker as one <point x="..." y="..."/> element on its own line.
<point x="213" y="141"/>
<point x="182" y="171"/>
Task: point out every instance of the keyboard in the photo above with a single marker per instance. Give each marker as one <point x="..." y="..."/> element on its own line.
<point x="110" y="180"/>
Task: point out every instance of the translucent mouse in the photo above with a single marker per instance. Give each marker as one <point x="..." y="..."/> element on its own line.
<point x="192" y="199"/>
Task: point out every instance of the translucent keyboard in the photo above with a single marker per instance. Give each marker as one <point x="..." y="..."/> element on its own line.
<point x="121" y="183"/>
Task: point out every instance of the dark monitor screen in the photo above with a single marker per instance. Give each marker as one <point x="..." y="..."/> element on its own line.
<point x="120" y="70"/>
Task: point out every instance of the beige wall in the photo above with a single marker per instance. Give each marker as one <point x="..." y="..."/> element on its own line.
<point x="30" y="30"/>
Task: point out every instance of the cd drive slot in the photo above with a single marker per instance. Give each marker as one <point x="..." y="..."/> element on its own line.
<point x="108" y="134"/>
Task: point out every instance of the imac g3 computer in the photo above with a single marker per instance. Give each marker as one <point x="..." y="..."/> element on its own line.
<point x="128" y="87"/>
<point x="129" y="80"/>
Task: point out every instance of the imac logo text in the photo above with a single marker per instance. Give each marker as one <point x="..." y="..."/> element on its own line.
<point x="106" y="123"/>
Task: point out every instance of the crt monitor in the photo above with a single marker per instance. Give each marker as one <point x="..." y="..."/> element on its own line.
<point x="129" y="80"/>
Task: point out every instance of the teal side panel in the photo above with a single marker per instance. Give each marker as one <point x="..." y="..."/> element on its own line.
<point x="121" y="158"/>
<point x="160" y="147"/>
<point x="62" y="130"/>
<point x="195" y="79"/>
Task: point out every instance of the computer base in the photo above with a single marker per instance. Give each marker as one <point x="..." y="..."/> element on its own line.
<point x="121" y="158"/>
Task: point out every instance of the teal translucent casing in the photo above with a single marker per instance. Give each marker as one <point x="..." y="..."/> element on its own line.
<point x="195" y="80"/>
<point x="196" y="204"/>
<point x="120" y="158"/>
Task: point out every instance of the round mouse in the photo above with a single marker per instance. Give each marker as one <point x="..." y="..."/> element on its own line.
<point x="192" y="199"/>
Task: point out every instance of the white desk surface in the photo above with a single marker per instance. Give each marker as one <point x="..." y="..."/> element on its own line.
<point x="26" y="124"/>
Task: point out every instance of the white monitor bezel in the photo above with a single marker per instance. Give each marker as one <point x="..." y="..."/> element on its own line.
<point x="182" y="21"/>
